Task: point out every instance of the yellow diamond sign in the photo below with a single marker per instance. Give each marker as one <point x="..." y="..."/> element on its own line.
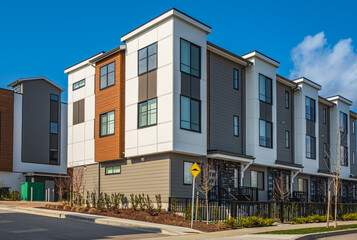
<point x="195" y="170"/>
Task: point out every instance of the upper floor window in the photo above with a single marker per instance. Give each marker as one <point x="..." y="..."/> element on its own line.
<point x="265" y="134"/>
<point x="324" y="112"/>
<point x="265" y="89"/>
<point x="353" y="158"/>
<point x="287" y="99"/>
<point x="310" y="109"/>
<point x="148" y="113"/>
<point x="190" y="58"/>
<point x="107" y="75"/>
<point x="343" y="122"/>
<point x="257" y="179"/>
<point x="107" y="123"/>
<point x="79" y="84"/>
<point x="325" y="153"/>
<point x="147" y="58"/>
<point x="353" y="127"/>
<point x="236" y="126"/>
<point x="54" y="127"/>
<point x="187" y="175"/>
<point x="310" y="147"/>
<point x="344" y="155"/>
<point x="302" y="185"/>
<point x="236" y="79"/>
<point x="287" y="139"/>
<point x="190" y="114"/>
<point x="54" y="97"/>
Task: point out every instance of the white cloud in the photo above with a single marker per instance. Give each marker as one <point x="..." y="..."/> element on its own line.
<point x="334" y="68"/>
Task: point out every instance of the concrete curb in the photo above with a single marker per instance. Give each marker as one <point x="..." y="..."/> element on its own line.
<point x="325" y="234"/>
<point x="138" y="225"/>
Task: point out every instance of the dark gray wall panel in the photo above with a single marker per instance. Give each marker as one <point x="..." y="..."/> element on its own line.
<point x="310" y="128"/>
<point x="324" y="136"/>
<point x="353" y="147"/>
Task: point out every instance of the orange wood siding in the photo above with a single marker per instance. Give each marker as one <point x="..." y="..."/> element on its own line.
<point x="106" y="100"/>
<point x="7" y="125"/>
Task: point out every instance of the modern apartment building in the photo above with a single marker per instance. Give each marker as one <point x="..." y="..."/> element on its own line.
<point x="140" y="114"/>
<point x="33" y="134"/>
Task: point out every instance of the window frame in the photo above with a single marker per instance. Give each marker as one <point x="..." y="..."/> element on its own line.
<point x="100" y="124"/>
<point x="199" y="114"/>
<point x="287" y="99"/>
<point x="188" y="173"/>
<point x="344" y="160"/>
<point x="78" y="82"/>
<point x="272" y="131"/>
<point x="265" y="89"/>
<point x="324" y="115"/>
<point x="325" y="155"/>
<point x="235" y="80"/>
<point x="56" y="133"/>
<point x="314" y="112"/>
<point x="287" y="139"/>
<point x="147" y="110"/>
<point x="353" y="127"/>
<point x="263" y="183"/>
<point x="147" y="57"/>
<point x="312" y="153"/>
<point x="199" y="58"/>
<point x="100" y="69"/>
<point x="234" y="125"/>
<point x="353" y="158"/>
<point x="116" y="173"/>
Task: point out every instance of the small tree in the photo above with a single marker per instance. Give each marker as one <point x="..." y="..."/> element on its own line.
<point x="61" y="186"/>
<point x="208" y="180"/>
<point x="75" y="182"/>
<point x="281" y="190"/>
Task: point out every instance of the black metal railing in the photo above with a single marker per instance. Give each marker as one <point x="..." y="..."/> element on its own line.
<point x="299" y="196"/>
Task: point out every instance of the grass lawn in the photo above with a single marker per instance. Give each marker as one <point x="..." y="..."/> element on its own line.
<point x="311" y="230"/>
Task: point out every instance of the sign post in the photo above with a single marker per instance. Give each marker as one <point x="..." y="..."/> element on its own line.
<point x="195" y="170"/>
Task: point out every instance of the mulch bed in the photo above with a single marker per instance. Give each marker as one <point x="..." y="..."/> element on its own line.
<point x="163" y="217"/>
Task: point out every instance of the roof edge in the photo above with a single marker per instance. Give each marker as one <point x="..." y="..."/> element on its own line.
<point x="262" y="56"/>
<point x="221" y="51"/>
<point x="18" y="81"/>
<point x="107" y="54"/>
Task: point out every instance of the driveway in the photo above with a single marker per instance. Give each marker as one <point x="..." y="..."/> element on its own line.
<point x="14" y="225"/>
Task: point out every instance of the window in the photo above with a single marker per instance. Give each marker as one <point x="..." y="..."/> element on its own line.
<point x="53" y="155"/>
<point x="265" y="134"/>
<point x="147" y="113"/>
<point x="343" y="122"/>
<point x="325" y="153"/>
<point x="54" y="97"/>
<point x="187" y="175"/>
<point x="236" y="126"/>
<point x="287" y="99"/>
<point x="310" y="147"/>
<point x="236" y="176"/>
<point x="147" y="59"/>
<point x="54" y="127"/>
<point x="190" y="58"/>
<point x="303" y="183"/>
<point x="78" y="112"/>
<point x="112" y="170"/>
<point x="353" y="158"/>
<point x="310" y="109"/>
<point x="265" y="89"/>
<point x="107" y="122"/>
<point x="79" y="84"/>
<point x="344" y="155"/>
<point x="287" y="139"/>
<point x="257" y="179"/>
<point x="17" y="90"/>
<point x="190" y="114"/>
<point x="107" y="75"/>
<point x="353" y="127"/>
<point x="324" y="110"/>
<point x="235" y="78"/>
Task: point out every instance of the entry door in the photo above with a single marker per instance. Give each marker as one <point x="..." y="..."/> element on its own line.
<point x="49" y="191"/>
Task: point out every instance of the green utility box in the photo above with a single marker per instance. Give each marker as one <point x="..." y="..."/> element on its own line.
<point x="36" y="189"/>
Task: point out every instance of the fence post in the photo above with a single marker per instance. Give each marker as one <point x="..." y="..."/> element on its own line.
<point x="234" y="209"/>
<point x="169" y="208"/>
<point x="282" y="212"/>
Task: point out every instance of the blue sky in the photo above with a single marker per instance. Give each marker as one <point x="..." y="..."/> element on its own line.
<point x="42" y="38"/>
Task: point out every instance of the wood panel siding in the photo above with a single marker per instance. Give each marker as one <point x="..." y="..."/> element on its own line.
<point x="106" y="100"/>
<point x="6" y="129"/>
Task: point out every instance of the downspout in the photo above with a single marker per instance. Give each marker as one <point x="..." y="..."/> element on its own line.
<point x="98" y="179"/>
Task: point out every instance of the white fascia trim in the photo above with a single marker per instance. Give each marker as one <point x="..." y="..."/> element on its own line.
<point x="288" y="167"/>
<point x="341" y="99"/>
<point x="286" y="82"/>
<point x="308" y="82"/>
<point x="229" y="158"/>
<point x="155" y="21"/>
<point x="262" y="57"/>
<point x="225" y="55"/>
<point x="81" y="64"/>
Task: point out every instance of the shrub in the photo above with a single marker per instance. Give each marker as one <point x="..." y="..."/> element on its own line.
<point x="88" y="200"/>
<point x="255" y="222"/>
<point x="81" y="209"/>
<point x="216" y="213"/>
<point x="141" y="201"/>
<point x="100" y="200"/>
<point x="115" y="200"/>
<point x="158" y="202"/>
<point x="148" y="203"/>
<point x="74" y="209"/>
<point x="122" y="200"/>
<point x="310" y="219"/>
<point x="133" y="201"/>
<point x="15" y="196"/>
<point x="188" y="212"/>
<point x="174" y="202"/>
<point x="349" y="217"/>
<point x="67" y="207"/>
<point x="230" y="222"/>
<point x="107" y="200"/>
<point x="93" y="198"/>
<point x="93" y="211"/>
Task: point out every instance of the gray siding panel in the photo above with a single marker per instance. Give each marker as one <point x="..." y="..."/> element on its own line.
<point x="324" y="138"/>
<point x="353" y="142"/>
<point x="225" y="102"/>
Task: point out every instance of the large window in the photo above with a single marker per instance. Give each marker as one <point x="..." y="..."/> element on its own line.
<point x="265" y="134"/>
<point x="310" y="109"/>
<point x="343" y="122"/>
<point x="107" y="123"/>
<point x="287" y="99"/>
<point x="236" y="126"/>
<point x="257" y="179"/>
<point x="148" y="113"/>
<point x="236" y="79"/>
<point x="287" y="139"/>
<point x="79" y="84"/>
<point x="344" y="155"/>
<point x="107" y="75"/>
<point x="190" y="114"/>
<point x="187" y="175"/>
<point x="147" y="58"/>
<point x="303" y="184"/>
<point x="190" y="58"/>
<point x="265" y="89"/>
<point x="54" y="127"/>
<point x="113" y="170"/>
<point x="310" y="147"/>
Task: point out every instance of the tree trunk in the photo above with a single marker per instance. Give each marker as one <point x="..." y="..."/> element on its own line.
<point x="207" y="208"/>
<point x="328" y="208"/>
<point x="336" y="196"/>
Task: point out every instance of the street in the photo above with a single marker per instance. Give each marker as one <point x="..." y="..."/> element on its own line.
<point x="344" y="237"/>
<point x="14" y="225"/>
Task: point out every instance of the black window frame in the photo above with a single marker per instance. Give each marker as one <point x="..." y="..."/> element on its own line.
<point x="235" y="127"/>
<point x="78" y="82"/>
<point x="263" y="175"/>
<point x="108" y="167"/>
<point x="353" y="127"/>
<point x="324" y="115"/>
<point x="100" y="76"/>
<point x="199" y="114"/>
<point x="344" y="159"/>
<point x="287" y="139"/>
<point x="190" y="174"/>
<point x="353" y="158"/>
<point x="312" y="115"/>
<point x="199" y="55"/>
<point x="56" y="133"/>
<point x="100" y="124"/>
<point x="235" y="80"/>
<point x="325" y="153"/>
<point x="344" y="128"/>
<point x="147" y="57"/>
<point x="287" y="99"/>
<point x="312" y="147"/>
<point x="147" y="111"/>
<point x="265" y="90"/>
<point x="272" y="131"/>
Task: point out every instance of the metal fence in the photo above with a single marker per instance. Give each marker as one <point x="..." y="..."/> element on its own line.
<point x="219" y="210"/>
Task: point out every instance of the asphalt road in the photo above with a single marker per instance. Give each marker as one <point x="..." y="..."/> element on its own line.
<point x="14" y="225"/>
<point x="344" y="237"/>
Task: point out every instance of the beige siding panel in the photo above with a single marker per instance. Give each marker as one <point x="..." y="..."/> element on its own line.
<point x="90" y="181"/>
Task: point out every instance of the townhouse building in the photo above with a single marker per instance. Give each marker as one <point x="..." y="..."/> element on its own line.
<point x="33" y="135"/>
<point x="140" y="114"/>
